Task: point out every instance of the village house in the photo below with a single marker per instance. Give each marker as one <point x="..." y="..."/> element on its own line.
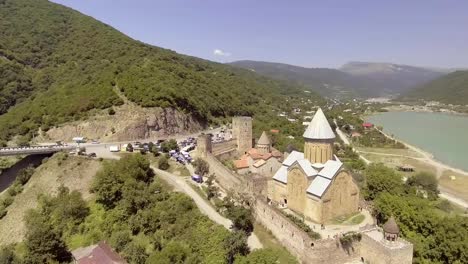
<point x="263" y="159"/>
<point x="314" y="183"/>
<point x="100" y="253"/>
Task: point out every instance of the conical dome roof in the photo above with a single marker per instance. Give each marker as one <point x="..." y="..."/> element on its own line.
<point x="391" y="226"/>
<point x="264" y="139"/>
<point x="319" y="128"/>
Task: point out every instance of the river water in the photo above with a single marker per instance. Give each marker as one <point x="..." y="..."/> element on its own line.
<point x="8" y="176"/>
<point x="443" y="135"/>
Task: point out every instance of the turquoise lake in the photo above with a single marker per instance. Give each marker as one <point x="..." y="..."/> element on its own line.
<point x="443" y="135"/>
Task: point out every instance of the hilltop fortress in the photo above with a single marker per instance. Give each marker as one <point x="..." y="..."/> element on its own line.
<point x="313" y="184"/>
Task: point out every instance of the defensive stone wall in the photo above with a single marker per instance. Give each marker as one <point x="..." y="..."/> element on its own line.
<point x="298" y="242"/>
<point x="226" y="178"/>
<point x="224" y="147"/>
<point x="379" y="251"/>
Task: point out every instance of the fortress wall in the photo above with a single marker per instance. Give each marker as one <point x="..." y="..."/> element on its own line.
<point x="226" y="178"/>
<point x="374" y="252"/>
<point x="298" y="242"/>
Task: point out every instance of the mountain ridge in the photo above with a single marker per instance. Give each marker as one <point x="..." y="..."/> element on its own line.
<point x="363" y="79"/>
<point x="449" y="89"/>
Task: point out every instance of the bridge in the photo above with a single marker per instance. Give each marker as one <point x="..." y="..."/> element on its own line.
<point x="34" y="150"/>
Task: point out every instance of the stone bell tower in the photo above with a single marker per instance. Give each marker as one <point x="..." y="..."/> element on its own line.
<point x="319" y="139"/>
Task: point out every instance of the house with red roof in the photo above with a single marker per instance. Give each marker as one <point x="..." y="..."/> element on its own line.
<point x="367" y="125"/>
<point x="100" y="253"/>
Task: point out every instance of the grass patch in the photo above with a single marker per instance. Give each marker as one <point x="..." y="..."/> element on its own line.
<point x="269" y="241"/>
<point x="353" y="219"/>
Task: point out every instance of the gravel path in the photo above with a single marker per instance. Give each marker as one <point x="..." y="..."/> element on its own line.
<point x="180" y="184"/>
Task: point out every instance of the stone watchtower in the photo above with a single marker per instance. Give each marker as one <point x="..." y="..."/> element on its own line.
<point x="319" y="139"/>
<point x="264" y="144"/>
<point x="242" y="132"/>
<point x="391" y="230"/>
<point x="204" y="145"/>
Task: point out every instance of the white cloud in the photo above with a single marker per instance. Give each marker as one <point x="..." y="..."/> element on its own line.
<point x="218" y="52"/>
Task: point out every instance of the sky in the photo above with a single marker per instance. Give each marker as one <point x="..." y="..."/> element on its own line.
<point x="307" y="33"/>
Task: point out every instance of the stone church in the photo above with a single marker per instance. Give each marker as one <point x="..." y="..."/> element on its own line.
<point x="314" y="183"/>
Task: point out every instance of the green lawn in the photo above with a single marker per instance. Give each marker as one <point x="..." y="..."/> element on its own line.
<point x="352" y="219"/>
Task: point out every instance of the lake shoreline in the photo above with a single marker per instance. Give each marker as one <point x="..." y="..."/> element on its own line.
<point x="429" y="157"/>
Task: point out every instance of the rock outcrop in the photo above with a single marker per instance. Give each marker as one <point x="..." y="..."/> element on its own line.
<point x="129" y="122"/>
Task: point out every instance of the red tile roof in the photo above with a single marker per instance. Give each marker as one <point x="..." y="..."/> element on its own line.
<point x="98" y="254"/>
<point x="241" y="163"/>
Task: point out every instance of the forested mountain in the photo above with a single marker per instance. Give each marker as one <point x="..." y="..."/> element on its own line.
<point x="392" y="78"/>
<point x="450" y="89"/>
<point x="57" y="65"/>
<point x="353" y="79"/>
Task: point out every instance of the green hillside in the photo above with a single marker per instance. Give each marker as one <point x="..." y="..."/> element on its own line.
<point x="450" y="89"/>
<point x="57" y="65"/>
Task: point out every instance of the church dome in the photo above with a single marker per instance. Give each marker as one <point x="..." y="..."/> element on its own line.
<point x="319" y="128"/>
<point x="391" y="226"/>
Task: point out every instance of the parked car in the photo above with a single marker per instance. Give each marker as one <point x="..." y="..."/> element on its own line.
<point x="197" y="178"/>
<point x="92" y="155"/>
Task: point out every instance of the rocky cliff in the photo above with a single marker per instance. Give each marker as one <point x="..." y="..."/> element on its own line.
<point x="130" y="122"/>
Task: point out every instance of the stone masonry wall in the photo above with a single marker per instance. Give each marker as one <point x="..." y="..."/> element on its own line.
<point x="374" y="252"/>
<point x="298" y="242"/>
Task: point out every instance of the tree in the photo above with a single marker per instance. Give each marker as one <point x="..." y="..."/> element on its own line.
<point x="201" y="167"/>
<point x="427" y="182"/>
<point x="236" y="244"/>
<point x="129" y="147"/>
<point x="120" y="239"/>
<point x="135" y="253"/>
<point x="154" y="150"/>
<point x="163" y="163"/>
<point x="169" y="145"/>
<point x="43" y="242"/>
<point x="242" y="218"/>
<point x="211" y="190"/>
<point x="380" y="178"/>
<point x="172" y="253"/>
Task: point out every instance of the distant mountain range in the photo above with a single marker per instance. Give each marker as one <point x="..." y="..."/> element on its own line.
<point x="450" y="89"/>
<point x="361" y="79"/>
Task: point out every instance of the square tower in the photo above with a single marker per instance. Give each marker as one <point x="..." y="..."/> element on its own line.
<point x="242" y="132"/>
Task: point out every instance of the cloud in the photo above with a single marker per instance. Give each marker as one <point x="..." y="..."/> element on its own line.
<point x="218" y="52"/>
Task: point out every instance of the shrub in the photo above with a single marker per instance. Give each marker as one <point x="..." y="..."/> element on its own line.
<point x="7" y="201"/>
<point x="163" y="163"/>
<point x="111" y="111"/>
